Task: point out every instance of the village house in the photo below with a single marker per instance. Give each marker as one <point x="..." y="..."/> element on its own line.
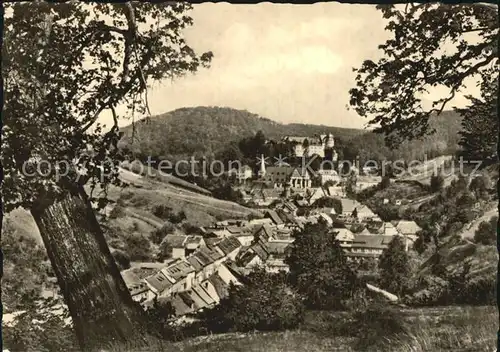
<point x="348" y="207"/>
<point x="326" y="210"/>
<point x="337" y="191"/>
<point x="228" y="247"/>
<point x="276" y="219"/>
<point x="288" y="207"/>
<point x="388" y="229"/>
<point x="245" y="237"/>
<point x="345" y="237"/>
<point x="241" y="174"/>
<point x="264" y="232"/>
<point x="253" y="256"/>
<point x="260" y="222"/>
<point x="159" y="285"/>
<point x="325" y="218"/>
<point x="290" y="222"/>
<point x="364" y="213"/>
<point x="140" y="292"/>
<point x="277" y="252"/>
<point x="181" y="245"/>
<point x="176" y="245"/>
<point x="371" y="246"/>
<point x="284" y="235"/>
<point x="202" y="298"/>
<point x="205" y="262"/>
<point x="216" y="287"/>
<point x="326" y="175"/>
<point x="282" y="176"/>
<point x="182" y="273"/>
<point x="374" y="225"/>
<point x="408" y="229"/>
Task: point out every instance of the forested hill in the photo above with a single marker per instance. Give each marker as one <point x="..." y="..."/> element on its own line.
<point x="202" y="130"/>
<point x="444" y="141"/>
<point x="206" y="130"/>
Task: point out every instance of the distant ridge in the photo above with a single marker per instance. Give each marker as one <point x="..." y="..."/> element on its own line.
<point x="205" y="130"/>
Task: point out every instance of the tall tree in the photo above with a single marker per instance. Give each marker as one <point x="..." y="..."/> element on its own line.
<point x="319" y="268"/>
<point x="479" y="134"/>
<point x="63" y="65"/>
<point x="394" y="267"/>
<point x="432" y="45"/>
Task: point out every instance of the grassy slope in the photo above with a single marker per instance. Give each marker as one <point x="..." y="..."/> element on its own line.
<point x="429" y="329"/>
<point x="198" y="207"/>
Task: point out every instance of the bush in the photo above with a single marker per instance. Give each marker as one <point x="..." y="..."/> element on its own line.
<point x="303" y="212"/>
<point x="139" y="201"/>
<point x="166" y="213"/>
<point x="38" y="330"/>
<point x="177" y="218"/>
<point x="375" y="325"/>
<point x="122" y="259"/>
<point x="191" y="229"/>
<point x="165" y="252"/>
<point x="162" y="211"/>
<point x="329" y="202"/>
<point x="437" y="182"/>
<point x="486" y="234"/>
<point x="126" y="196"/>
<point x="264" y="303"/>
<point x="385" y="182"/>
<point x="117" y="212"/>
<point x="479" y="186"/>
<point x="134" y="227"/>
<point x="158" y="235"/>
<point x="138" y="247"/>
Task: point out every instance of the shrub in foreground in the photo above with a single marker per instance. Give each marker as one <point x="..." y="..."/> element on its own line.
<point x="264" y="303"/>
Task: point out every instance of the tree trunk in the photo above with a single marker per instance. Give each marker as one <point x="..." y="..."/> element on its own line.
<point x="99" y="302"/>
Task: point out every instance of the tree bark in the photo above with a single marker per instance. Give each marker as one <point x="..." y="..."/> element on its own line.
<point x="99" y="302"/>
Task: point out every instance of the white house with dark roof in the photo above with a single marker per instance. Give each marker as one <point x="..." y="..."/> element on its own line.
<point x="159" y="285"/>
<point x="370" y="246"/>
<point x="344" y="236"/>
<point x="388" y="229"/>
<point x="229" y="247"/>
<point x="408" y="229"/>
<point x="241" y="174"/>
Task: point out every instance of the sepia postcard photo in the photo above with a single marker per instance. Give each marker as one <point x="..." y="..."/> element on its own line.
<point x="231" y="177"/>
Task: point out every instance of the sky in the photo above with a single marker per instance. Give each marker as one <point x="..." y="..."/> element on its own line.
<point x="289" y="63"/>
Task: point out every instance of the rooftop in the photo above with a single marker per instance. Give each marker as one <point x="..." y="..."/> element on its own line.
<point x="408" y="227"/>
<point x="179" y="269"/>
<point x="229" y="245"/>
<point x="175" y="241"/>
<point x="344" y="234"/>
<point x="348" y="205"/>
<point x="159" y="282"/>
<point x="220" y="286"/>
<point x="371" y="241"/>
<point x="274" y="217"/>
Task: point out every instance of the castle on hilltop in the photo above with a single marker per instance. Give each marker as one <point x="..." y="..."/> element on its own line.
<point x="308" y="146"/>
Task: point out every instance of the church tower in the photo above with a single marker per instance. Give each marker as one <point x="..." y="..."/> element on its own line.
<point x="262" y="170"/>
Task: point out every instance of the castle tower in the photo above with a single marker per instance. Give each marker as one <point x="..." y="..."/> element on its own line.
<point x="330" y="143"/>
